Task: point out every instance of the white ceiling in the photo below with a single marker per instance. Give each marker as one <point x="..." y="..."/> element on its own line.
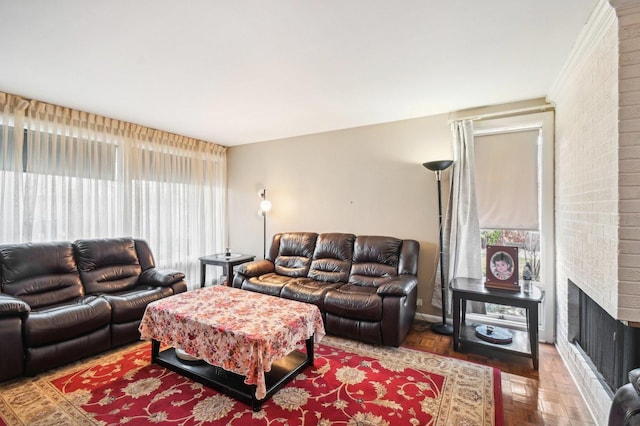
<point x="236" y="72"/>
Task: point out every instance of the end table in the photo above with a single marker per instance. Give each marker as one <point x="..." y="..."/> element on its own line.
<point x="523" y="344"/>
<point x="226" y="261"/>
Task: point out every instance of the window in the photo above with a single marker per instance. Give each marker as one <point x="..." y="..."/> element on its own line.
<point x="536" y="242"/>
<point x="528" y="243"/>
<point x="507" y="178"/>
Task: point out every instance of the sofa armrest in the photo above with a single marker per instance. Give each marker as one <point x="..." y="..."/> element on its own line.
<point x="625" y="406"/>
<point x="634" y="379"/>
<point x="251" y="269"/>
<point x="160" y="277"/>
<point x="13" y="307"/>
<point x="400" y="286"/>
<point x="256" y="268"/>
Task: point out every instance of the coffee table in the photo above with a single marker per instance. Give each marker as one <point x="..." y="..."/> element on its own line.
<point x="248" y="342"/>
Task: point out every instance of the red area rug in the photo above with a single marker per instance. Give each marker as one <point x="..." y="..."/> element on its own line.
<point x="350" y="384"/>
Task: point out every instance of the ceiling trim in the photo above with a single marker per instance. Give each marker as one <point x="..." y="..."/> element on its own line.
<point x="599" y="22"/>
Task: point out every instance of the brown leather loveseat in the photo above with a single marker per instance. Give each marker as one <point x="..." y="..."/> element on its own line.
<point x="365" y="286"/>
<point x="62" y="301"/>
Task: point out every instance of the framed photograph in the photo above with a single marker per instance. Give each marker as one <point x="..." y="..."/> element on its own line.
<point x="502" y="267"/>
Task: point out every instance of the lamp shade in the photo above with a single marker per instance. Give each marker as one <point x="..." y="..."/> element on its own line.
<point x="439" y="165"/>
<point x="265" y="205"/>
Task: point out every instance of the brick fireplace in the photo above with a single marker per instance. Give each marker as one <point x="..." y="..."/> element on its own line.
<point x="597" y="189"/>
<point x="611" y="347"/>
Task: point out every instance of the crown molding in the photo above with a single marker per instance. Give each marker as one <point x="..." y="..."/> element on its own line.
<point x="601" y="19"/>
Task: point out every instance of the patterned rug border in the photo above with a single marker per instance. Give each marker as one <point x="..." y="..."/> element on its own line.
<point x="59" y="410"/>
<point x="497" y="382"/>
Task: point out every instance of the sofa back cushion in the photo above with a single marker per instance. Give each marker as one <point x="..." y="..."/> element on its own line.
<point x="41" y="274"/>
<point x="295" y="252"/>
<point x="107" y="265"/>
<point x="375" y="260"/>
<point x="332" y="257"/>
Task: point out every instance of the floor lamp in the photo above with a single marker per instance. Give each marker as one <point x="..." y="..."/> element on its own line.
<point x="265" y="206"/>
<point x="438" y="167"/>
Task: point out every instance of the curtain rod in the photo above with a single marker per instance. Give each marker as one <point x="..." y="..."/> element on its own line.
<point x="502" y="114"/>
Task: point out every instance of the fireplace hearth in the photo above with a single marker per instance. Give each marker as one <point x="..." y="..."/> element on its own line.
<point x="611" y="347"/>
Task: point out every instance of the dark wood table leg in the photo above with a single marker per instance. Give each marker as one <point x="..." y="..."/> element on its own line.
<point x="532" y="319"/>
<point x="228" y="272"/>
<point x="203" y="271"/>
<point x="309" y="344"/>
<point x="256" y="405"/>
<point x="463" y="306"/>
<point x="155" y="349"/>
<point x="456" y="321"/>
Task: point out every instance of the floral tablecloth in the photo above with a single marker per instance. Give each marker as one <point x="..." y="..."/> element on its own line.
<point x="238" y="330"/>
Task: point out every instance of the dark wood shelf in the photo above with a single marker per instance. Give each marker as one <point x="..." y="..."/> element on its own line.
<point x="518" y="346"/>
<point x="232" y="384"/>
<point x="464" y="336"/>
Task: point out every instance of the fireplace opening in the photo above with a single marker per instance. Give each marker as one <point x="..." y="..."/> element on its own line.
<point x="610" y="346"/>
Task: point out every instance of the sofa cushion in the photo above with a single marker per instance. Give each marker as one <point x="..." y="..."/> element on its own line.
<point x="43" y="358"/>
<point x="130" y="305"/>
<point x="107" y="265"/>
<point x="308" y="291"/>
<point x="295" y="253"/>
<point x="332" y="257"/>
<point x="41" y="274"/>
<point x="354" y="301"/>
<point x="375" y="260"/>
<point x="366" y="331"/>
<point x="270" y="284"/>
<point x="66" y="321"/>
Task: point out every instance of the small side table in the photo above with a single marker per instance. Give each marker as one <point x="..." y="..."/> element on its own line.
<point x="523" y="343"/>
<point x="227" y="263"/>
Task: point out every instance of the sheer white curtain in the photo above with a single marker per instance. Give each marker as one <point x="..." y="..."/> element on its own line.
<point x="461" y="230"/>
<point x="178" y="196"/>
<point x="72" y="188"/>
<point x="78" y="175"/>
<point x="12" y="110"/>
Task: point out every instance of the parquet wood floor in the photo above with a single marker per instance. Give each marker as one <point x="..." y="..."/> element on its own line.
<point x="544" y="397"/>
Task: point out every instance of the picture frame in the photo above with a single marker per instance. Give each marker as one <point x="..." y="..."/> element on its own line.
<point x="502" y="267"/>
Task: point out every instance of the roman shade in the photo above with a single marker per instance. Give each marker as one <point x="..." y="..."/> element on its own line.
<point x="507" y="179"/>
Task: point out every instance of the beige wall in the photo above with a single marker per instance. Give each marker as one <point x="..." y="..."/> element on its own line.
<point x="366" y="180"/>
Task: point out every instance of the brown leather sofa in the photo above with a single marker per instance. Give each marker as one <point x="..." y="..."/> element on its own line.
<point x="625" y="407"/>
<point x="62" y="301"/>
<point x="365" y="286"/>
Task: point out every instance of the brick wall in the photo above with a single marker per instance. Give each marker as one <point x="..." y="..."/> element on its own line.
<point x="629" y="160"/>
<point x="586" y="171"/>
<point x="597" y="100"/>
